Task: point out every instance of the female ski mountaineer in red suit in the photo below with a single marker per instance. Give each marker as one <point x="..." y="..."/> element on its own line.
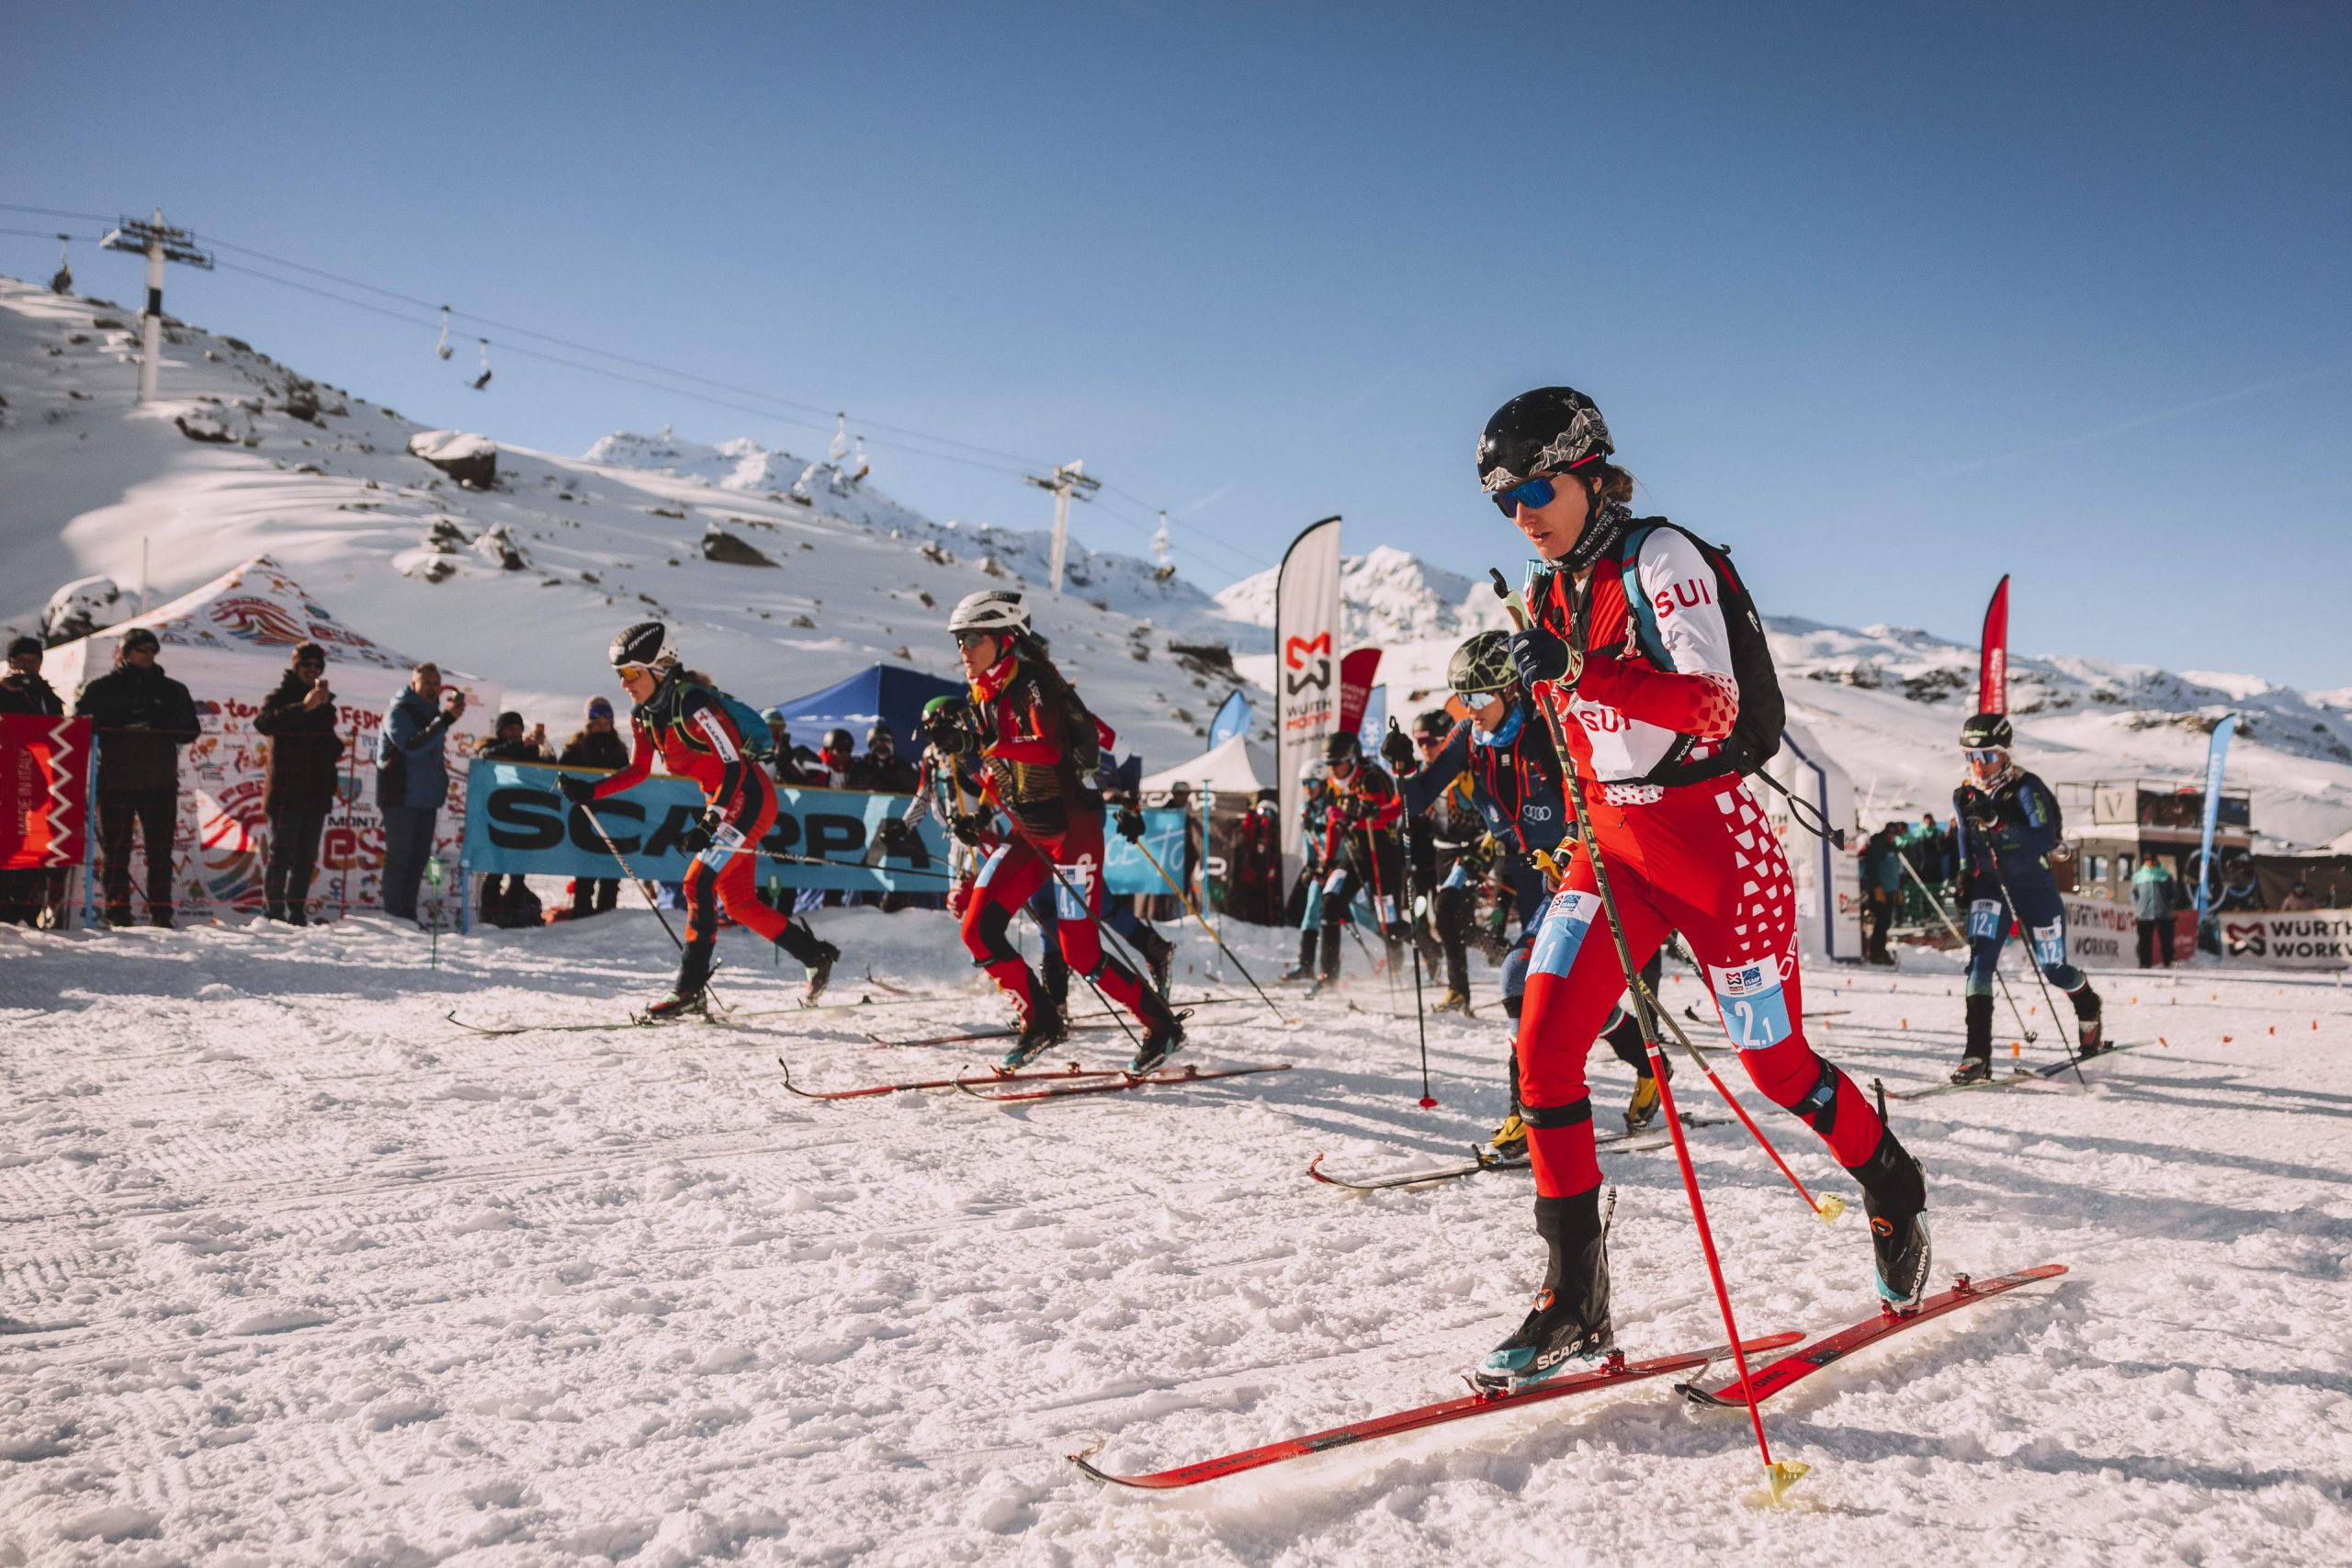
<point x="686" y="722"/>
<point x="1032" y="732"/>
<point x="1633" y="651"/>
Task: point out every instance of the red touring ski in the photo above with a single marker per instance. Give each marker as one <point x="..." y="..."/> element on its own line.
<point x="1797" y="1365"/>
<point x="1618" y="1371"/>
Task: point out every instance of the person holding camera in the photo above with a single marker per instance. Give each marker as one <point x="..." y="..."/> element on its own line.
<point x="299" y="781"/>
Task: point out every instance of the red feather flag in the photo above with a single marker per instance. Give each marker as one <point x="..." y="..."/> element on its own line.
<point x="1993" y="674"/>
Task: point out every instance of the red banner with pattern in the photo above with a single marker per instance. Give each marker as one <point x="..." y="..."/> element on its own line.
<point x="44" y="791"/>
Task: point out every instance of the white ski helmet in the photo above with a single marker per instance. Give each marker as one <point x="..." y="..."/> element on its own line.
<point x="995" y="610"/>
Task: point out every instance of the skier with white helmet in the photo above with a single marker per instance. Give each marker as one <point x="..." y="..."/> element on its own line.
<point x="2008" y="822"/>
<point x="689" y="725"/>
<point x="1645" y="649"/>
<point x="1038" y="747"/>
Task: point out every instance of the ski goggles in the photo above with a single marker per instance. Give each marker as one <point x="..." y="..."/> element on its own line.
<point x="1535" y="494"/>
<point x="1473" y="701"/>
<point x="1982" y="758"/>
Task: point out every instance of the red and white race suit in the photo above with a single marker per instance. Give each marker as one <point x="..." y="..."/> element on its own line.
<point x="1697" y="858"/>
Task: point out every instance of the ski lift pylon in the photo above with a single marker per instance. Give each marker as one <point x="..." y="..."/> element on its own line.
<point x="442" y="348"/>
<point x="482" y="380"/>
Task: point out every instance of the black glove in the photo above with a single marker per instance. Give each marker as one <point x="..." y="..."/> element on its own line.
<point x="966" y="826"/>
<point x="1396" y="748"/>
<point x="697" y="839"/>
<point x="1537" y="655"/>
<point x="1129" y="822"/>
<point x="576" y="789"/>
<point x="894" y="834"/>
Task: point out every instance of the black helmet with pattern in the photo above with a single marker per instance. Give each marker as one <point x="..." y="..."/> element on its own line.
<point x="1987" y="732"/>
<point x="1548" y="431"/>
<point x="1482" y="664"/>
<point x="646" y="644"/>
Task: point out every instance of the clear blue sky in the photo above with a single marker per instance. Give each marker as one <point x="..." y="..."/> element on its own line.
<point x="1893" y="298"/>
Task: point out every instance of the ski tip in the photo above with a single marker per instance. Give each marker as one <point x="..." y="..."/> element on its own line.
<point x="1314" y="1169"/>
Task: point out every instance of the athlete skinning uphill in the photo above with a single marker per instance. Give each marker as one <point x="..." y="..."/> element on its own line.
<point x="1505" y="752"/>
<point x="689" y="724"/>
<point x="2008" y="821"/>
<point x="1633" y="651"/>
<point x="1038" y="745"/>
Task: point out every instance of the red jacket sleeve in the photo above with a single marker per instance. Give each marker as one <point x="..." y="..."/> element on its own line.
<point x="1705" y="704"/>
<point x="1042" y="747"/>
<point x="640" y="763"/>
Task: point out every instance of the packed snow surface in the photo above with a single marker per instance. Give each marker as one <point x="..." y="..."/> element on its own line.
<point x="299" y="1270"/>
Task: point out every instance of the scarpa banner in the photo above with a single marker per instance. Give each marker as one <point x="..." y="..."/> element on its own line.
<point x="44" y="791"/>
<point x="518" y="823"/>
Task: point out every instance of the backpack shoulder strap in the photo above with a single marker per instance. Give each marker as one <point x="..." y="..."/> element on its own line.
<point x="1638" y="613"/>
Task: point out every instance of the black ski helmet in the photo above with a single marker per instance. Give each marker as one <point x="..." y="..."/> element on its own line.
<point x="1482" y="664"/>
<point x="645" y="643"/>
<point x="839" y="740"/>
<point x="1548" y="431"/>
<point x="1987" y="732"/>
<point x="1433" y="723"/>
<point x="1342" y="747"/>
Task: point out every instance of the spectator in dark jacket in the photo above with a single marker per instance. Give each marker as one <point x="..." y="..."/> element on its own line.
<point x="298" y="786"/>
<point x="24" y="893"/>
<point x="508" y="900"/>
<point x="882" y="770"/>
<point x="412" y="780"/>
<point x="595" y="744"/>
<point x="142" y="718"/>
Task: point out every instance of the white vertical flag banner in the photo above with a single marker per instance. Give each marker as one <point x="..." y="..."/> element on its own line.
<point x="1306" y="667"/>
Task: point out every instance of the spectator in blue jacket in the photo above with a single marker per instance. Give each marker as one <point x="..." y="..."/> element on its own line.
<point x="412" y="780"/>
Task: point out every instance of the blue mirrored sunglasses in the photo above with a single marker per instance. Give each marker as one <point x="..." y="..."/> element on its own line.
<point x="1536" y="493"/>
<point x="1983" y="758"/>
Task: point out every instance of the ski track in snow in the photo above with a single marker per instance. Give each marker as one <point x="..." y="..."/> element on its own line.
<point x="298" y="1271"/>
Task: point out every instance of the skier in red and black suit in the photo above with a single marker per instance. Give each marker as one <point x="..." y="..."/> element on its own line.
<point x="1632" y="651"/>
<point x="1363" y="852"/>
<point x="688" y="725"/>
<point x="1034" y="758"/>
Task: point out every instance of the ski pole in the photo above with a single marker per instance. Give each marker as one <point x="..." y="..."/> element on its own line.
<point x="1413" y="940"/>
<point x="643" y="888"/>
<point x="1958" y="935"/>
<point x="1778" y="1478"/>
<point x="2034" y="959"/>
<point x="1194" y="910"/>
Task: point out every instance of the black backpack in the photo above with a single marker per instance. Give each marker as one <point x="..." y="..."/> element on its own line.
<point x="1755" y="736"/>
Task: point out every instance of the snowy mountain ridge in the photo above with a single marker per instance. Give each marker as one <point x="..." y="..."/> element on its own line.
<point x="525" y="581"/>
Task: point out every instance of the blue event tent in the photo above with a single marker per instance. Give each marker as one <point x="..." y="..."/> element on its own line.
<point x="886" y="692"/>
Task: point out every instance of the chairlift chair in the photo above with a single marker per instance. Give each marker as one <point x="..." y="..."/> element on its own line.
<point x="482" y="380"/>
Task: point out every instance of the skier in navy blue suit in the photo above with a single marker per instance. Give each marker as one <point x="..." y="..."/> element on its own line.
<point x="2008" y="822"/>
<point x="1515" y="783"/>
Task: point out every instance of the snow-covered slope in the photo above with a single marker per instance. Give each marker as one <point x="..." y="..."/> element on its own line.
<point x="1390" y="597"/>
<point x="323" y="481"/>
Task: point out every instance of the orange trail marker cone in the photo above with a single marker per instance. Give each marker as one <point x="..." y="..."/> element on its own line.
<point x="2017" y="1049"/>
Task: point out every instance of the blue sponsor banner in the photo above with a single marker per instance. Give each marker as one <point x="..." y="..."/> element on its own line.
<point x="1234" y="718"/>
<point x="518" y="823"/>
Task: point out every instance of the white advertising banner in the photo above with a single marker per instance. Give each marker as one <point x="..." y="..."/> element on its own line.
<point x="2315" y="938"/>
<point x="1306" y="667"/>
<point x="228" y="643"/>
<point x="2100" y="933"/>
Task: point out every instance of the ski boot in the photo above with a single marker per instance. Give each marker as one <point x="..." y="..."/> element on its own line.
<point x="1894" y="1195"/>
<point x="1304" y="968"/>
<point x="1976" y="1055"/>
<point x="2091" y="1034"/>
<point x="1044" y="1030"/>
<point x="1158" y="953"/>
<point x="690" y="992"/>
<point x="1054" y="970"/>
<point x="1643" y="1108"/>
<point x="1509" y="1142"/>
<point x="820" y="971"/>
<point x="1454" y="1001"/>
<point x="1163" y="1032"/>
<point x="1568" y="1328"/>
<point x="1327" y="969"/>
